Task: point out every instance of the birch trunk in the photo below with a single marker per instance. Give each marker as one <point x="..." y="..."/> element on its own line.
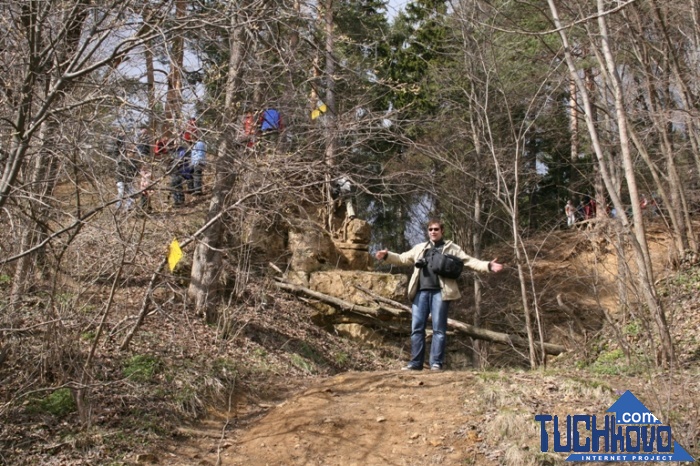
<point x="638" y="238"/>
<point x="646" y="272"/>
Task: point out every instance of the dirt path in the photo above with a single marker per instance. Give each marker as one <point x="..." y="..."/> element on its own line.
<point x="424" y="418"/>
<point x="377" y="418"/>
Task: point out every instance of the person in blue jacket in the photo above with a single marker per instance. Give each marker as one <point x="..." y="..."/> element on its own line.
<point x="198" y="160"/>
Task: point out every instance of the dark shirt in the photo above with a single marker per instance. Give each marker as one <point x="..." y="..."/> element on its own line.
<point x="126" y="170"/>
<point x="428" y="280"/>
<point x="182" y="163"/>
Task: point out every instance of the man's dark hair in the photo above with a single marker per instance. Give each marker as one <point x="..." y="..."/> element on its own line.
<point x="436" y="221"/>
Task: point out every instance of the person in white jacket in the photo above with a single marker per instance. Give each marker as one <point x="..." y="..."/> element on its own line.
<point x="198" y="159"/>
<point x="570" y="212"/>
<point x="431" y="294"/>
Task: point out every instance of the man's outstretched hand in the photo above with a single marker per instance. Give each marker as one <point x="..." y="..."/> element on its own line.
<point x="381" y="255"/>
<point x="494" y="266"/>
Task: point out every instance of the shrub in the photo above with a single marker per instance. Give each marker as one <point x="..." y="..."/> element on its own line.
<point x="58" y="403"/>
<point x="140" y="368"/>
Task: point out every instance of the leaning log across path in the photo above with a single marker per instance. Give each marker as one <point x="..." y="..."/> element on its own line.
<point x="387" y="308"/>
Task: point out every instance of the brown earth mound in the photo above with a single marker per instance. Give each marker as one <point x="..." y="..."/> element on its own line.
<point x="424" y="418"/>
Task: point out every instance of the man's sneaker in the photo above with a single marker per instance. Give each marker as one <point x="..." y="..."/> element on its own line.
<point x="436" y="367"/>
<point x="410" y="367"/>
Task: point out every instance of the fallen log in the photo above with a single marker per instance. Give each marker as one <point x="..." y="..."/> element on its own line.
<point x="467" y="329"/>
<point x="395" y="309"/>
<point x="498" y="337"/>
<point x="382" y="299"/>
<point x="472" y="331"/>
<point x="337" y="302"/>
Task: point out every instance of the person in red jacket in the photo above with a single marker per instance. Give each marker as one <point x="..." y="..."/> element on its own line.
<point x="250" y="129"/>
<point x="191" y="132"/>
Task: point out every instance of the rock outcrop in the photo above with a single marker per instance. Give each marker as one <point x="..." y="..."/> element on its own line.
<point x="314" y="249"/>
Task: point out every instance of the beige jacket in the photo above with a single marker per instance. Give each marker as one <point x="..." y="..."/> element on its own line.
<point x="448" y="286"/>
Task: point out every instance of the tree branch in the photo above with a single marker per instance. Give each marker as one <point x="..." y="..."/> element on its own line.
<point x="470" y="330"/>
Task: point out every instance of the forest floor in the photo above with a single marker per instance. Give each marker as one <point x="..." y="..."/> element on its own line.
<point x="453" y="417"/>
<point x="386" y="416"/>
<point x="424" y="418"/>
<point x="273" y="388"/>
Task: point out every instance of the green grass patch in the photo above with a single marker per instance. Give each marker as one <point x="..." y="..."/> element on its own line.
<point x="609" y="363"/>
<point x="610" y="357"/>
<point x="58" y="403"/>
<point x="141" y="368"/>
<point x="303" y="364"/>
<point x="341" y="358"/>
<point x="591" y="383"/>
<point x="487" y="376"/>
<point x="633" y="328"/>
<point x="65" y="298"/>
<point x="225" y="369"/>
<point x="189" y="401"/>
<point x="307" y="351"/>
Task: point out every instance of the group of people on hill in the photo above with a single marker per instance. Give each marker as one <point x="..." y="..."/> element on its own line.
<point x="183" y="159"/>
<point x="585" y="210"/>
<point x="133" y="175"/>
<point x="260" y="127"/>
<point x="649" y="206"/>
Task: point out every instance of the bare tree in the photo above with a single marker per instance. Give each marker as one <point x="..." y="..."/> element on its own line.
<point x="638" y="238"/>
<point x="206" y="265"/>
<point x="69" y="56"/>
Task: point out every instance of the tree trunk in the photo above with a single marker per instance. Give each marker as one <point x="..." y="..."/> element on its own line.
<point x="173" y="101"/>
<point x="573" y="118"/>
<point x="151" y="90"/>
<point x="206" y="265"/>
<point x="478" y="352"/>
<point x="646" y="275"/>
<point x="515" y="222"/>
<point x="331" y="117"/>
<point x="478" y="358"/>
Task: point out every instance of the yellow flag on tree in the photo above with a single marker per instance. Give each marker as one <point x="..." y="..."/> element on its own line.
<point x="174" y="254"/>
<point x="320" y="108"/>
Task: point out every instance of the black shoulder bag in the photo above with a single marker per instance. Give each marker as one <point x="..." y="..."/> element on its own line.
<point x="444" y="265"/>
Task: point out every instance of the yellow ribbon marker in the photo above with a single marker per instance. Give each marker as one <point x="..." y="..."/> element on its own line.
<point x="320" y="108"/>
<point x="174" y="254"/>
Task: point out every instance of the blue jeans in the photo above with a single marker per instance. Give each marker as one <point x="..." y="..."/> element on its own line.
<point x="428" y="302"/>
<point x="177" y="184"/>
<point x="196" y="182"/>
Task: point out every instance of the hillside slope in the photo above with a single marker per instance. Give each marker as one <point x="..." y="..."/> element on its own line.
<point x="268" y="386"/>
<point x="462" y="417"/>
<point x="448" y="418"/>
